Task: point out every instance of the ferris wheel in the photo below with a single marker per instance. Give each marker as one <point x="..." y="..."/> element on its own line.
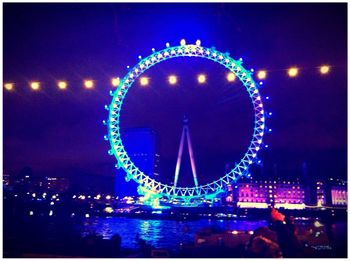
<point x="152" y="189"/>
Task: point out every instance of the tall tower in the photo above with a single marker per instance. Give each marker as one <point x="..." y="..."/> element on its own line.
<point x="185" y="132"/>
<point x="141" y="145"/>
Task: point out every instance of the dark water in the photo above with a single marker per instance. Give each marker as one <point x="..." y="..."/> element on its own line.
<point x="38" y="234"/>
<point x="170" y="233"/>
<point x="159" y="233"/>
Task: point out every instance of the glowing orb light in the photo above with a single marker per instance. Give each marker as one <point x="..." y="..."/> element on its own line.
<point x="115" y="81"/>
<point x="324" y="69"/>
<point x="261" y="75"/>
<point x="172" y="79"/>
<point x="89" y="84"/>
<point x="201" y="78"/>
<point x="35" y="86"/>
<point x="8" y="86"/>
<point x="144" y="81"/>
<point x="231" y="77"/>
<point x="62" y="85"/>
<point x="293" y="72"/>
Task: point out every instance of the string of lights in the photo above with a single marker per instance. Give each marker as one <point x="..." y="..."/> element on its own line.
<point x="291" y="72"/>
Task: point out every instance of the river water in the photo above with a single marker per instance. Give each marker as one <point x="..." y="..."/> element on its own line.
<point x="159" y="233"/>
<point x="170" y="234"/>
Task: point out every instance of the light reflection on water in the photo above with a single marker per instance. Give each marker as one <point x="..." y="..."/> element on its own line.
<point x="159" y="233"/>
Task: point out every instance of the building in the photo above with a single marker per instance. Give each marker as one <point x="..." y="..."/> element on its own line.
<point x="338" y="192"/>
<point x="288" y="194"/>
<point x="321" y="195"/>
<point x="339" y="196"/>
<point x="331" y="192"/>
<point x="141" y="146"/>
<point x="55" y="184"/>
<point x="250" y="193"/>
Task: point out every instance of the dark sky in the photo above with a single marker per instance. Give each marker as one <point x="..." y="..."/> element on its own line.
<point x="61" y="133"/>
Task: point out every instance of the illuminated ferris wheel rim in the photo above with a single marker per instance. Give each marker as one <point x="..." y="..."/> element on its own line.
<point x="152" y="186"/>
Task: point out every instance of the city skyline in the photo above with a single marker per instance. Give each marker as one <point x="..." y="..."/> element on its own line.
<point x="56" y="132"/>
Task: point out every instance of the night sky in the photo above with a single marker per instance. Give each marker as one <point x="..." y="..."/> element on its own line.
<point x="60" y="133"/>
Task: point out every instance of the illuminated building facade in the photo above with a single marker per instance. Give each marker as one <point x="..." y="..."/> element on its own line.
<point x="331" y="192"/>
<point x="289" y="194"/>
<point x="250" y="193"/>
<point x="339" y="196"/>
<point x="264" y="193"/>
<point x="321" y="197"/>
<point x="339" y="193"/>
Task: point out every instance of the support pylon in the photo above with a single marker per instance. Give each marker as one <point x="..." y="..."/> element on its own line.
<point x="185" y="132"/>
